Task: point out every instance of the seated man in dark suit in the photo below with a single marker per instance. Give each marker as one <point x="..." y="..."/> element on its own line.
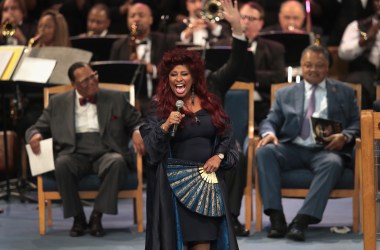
<point x="268" y="57"/>
<point x="287" y="142"/>
<point x="267" y="63"/>
<point x="88" y="138"/>
<point x="143" y="45"/>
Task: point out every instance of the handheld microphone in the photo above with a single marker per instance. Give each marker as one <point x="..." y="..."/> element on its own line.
<point x="179" y="105"/>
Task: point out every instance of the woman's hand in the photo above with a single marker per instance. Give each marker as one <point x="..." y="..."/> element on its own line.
<point x="175" y="117"/>
<point x="212" y="164"/>
<point x="138" y="143"/>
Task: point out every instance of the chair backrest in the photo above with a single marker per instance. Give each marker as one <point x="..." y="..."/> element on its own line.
<point x="356" y="87"/>
<point x="370" y="131"/>
<point x="130" y="89"/>
<point x="338" y="67"/>
<point x="239" y="105"/>
<point x="377" y="91"/>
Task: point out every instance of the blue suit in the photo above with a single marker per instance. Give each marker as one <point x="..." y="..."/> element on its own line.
<point x="285" y="121"/>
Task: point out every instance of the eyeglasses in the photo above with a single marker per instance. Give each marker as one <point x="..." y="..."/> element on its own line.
<point x="250" y="18"/>
<point x="84" y="82"/>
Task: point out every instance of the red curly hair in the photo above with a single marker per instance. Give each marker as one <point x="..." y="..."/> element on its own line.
<point x="165" y="97"/>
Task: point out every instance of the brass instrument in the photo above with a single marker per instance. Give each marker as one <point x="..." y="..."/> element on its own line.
<point x="33" y="40"/>
<point x="133" y="30"/>
<point x="8" y="29"/>
<point x="212" y="11"/>
<point x="132" y="41"/>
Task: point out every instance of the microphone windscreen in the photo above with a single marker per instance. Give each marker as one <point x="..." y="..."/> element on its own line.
<point x="179" y="104"/>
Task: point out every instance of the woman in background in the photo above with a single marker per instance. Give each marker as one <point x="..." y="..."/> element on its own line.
<point x="52" y="30"/>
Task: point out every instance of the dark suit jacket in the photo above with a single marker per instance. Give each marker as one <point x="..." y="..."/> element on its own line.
<point x="117" y="120"/>
<point x="160" y="44"/>
<point x="286" y="117"/>
<point x="269" y="65"/>
<point x="220" y="81"/>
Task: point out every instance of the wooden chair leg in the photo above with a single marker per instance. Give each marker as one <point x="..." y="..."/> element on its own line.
<point x="248" y="208"/>
<point x="139" y="213"/>
<point x="50" y="214"/>
<point x="41" y="211"/>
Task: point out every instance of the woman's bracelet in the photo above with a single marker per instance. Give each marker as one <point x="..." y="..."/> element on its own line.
<point x="164" y="130"/>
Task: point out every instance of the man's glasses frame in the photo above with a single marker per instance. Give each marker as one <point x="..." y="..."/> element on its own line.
<point x="93" y="76"/>
<point x="250" y="18"/>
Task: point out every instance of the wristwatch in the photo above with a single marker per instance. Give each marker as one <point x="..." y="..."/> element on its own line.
<point x="221" y="156"/>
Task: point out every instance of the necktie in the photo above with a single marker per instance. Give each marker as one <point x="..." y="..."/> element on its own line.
<point x="83" y="101"/>
<point x="305" y="130"/>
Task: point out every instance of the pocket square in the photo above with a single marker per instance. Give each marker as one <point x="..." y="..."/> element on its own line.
<point x="114" y="118"/>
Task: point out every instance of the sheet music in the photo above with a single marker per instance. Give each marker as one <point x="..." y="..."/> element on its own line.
<point x="44" y="162"/>
<point x="5" y="57"/>
<point x="35" y="70"/>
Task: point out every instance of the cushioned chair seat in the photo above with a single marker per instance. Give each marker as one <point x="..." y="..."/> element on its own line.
<point x="89" y="183"/>
<point x="302" y="178"/>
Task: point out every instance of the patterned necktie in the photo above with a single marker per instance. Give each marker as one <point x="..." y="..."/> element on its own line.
<point x="83" y="101"/>
<point x="305" y="130"/>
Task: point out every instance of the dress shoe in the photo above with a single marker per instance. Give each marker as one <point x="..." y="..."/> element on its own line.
<point x="79" y="227"/>
<point x="278" y="226"/>
<point x="239" y="229"/>
<point x="296" y="231"/>
<point x="95" y="224"/>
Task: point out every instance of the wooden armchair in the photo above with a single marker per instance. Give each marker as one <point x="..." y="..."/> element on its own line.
<point x="370" y="131"/>
<point x="295" y="183"/>
<point x="132" y="188"/>
<point x="239" y="105"/>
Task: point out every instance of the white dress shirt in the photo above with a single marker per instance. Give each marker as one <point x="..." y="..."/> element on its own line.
<point x="144" y="53"/>
<point x="320" y="109"/>
<point x="200" y="35"/>
<point x="86" y="116"/>
<point x="349" y="48"/>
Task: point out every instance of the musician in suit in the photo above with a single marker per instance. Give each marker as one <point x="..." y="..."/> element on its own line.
<point x="88" y="138"/>
<point x="196" y="30"/>
<point x="149" y="48"/>
<point x="287" y="143"/>
<point x="291" y="18"/>
<point x="360" y="45"/>
<point x="98" y="21"/>
<point x="15" y="13"/>
<point x="269" y="60"/>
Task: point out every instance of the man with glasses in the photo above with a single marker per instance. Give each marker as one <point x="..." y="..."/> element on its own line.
<point x="288" y="143"/>
<point x="91" y="129"/>
<point x="268" y="55"/>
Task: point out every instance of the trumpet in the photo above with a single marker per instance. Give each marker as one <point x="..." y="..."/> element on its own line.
<point x="212" y="11"/>
<point x="8" y="29"/>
